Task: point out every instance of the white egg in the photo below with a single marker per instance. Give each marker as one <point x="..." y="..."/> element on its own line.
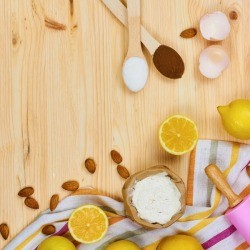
<point x="213" y="61"/>
<point x="135" y="73"/>
<point x="215" y="26"/>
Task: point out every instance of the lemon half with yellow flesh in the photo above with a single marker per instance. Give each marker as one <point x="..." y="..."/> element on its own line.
<point x="178" y="135"/>
<point x="88" y="224"/>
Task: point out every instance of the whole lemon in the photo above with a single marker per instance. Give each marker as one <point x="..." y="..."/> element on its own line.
<point x="179" y="242"/>
<point x="236" y="118"/>
<point x="122" y="245"/>
<point x="56" y="243"/>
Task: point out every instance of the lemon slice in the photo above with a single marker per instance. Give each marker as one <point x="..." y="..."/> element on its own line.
<point x="178" y="135"/>
<point x="88" y="224"/>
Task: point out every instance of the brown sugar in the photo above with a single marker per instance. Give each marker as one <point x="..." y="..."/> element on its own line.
<point x="168" y="62"/>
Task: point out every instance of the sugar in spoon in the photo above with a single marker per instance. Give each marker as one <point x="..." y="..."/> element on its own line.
<point x="135" y="67"/>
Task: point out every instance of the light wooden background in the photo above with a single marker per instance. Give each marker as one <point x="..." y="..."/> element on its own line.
<point x="62" y="98"/>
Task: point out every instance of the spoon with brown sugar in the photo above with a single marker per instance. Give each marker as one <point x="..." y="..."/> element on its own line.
<point x="167" y="61"/>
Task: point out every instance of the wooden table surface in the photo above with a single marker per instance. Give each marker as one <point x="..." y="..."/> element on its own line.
<point x="62" y="98"/>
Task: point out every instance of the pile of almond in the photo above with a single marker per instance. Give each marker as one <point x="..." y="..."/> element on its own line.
<point x="71" y="186"/>
<point x="117" y="158"/>
<point x="29" y="201"/>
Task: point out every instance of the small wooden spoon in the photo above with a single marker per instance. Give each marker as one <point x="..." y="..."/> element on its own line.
<point x="173" y="68"/>
<point x="135" y="68"/>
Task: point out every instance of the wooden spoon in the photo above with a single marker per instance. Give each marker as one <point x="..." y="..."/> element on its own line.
<point x="135" y="68"/>
<point x="167" y="61"/>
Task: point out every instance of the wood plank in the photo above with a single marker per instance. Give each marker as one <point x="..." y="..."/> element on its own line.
<point x="62" y="98"/>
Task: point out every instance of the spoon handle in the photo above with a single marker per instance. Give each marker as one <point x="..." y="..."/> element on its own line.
<point x="134" y="27"/>
<point x="120" y="12"/>
<point x="216" y="176"/>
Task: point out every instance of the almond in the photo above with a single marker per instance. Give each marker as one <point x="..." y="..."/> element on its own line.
<point x="123" y="172"/>
<point x="31" y="203"/>
<point x="48" y="229"/>
<point x="90" y="165"/>
<point x="54" y="200"/>
<point x="4" y="231"/>
<point x="116" y="157"/>
<point x="26" y="192"/>
<point x="70" y="185"/>
<point x="188" y="33"/>
<point x="248" y="170"/>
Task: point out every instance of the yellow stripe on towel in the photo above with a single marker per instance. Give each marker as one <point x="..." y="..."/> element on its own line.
<point x="200" y="225"/>
<point x="28" y="240"/>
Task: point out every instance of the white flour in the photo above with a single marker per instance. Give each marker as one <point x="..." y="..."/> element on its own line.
<point x="156" y="198"/>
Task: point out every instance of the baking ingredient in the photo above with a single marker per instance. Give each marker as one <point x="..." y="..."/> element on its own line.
<point x="123" y="172"/>
<point x="188" y="33"/>
<point x="70" y="185"/>
<point x="178" y="135"/>
<point x="135" y="73"/>
<point x="54" y="200"/>
<point x="213" y="61"/>
<point x="26" y="192"/>
<point x="215" y="26"/>
<point x="56" y="243"/>
<point x="122" y="245"/>
<point x="31" y="203"/>
<point x="49" y="229"/>
<point x="88" y="224"/>
<point x="156" y="198"/>
<point x="168" y="62"/>
<point x="4" y="231"/>
<point x="236" y="118"/>
<point x="116" y="156"/>
<point x="90" y="165"/>
<point x="179" y="242"/>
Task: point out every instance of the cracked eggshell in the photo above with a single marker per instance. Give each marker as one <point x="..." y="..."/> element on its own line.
<point x="213" y="61"/>
<point x="215" y="26"/>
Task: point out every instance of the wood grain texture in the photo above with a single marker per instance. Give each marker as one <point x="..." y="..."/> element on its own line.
<point x="62" y="98"/>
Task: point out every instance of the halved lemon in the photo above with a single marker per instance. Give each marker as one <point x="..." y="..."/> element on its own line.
<point x="178" y="135"/>
<point x="88" y="224"/>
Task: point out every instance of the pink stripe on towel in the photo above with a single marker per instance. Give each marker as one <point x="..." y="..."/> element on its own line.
<point x="63" y="230"/>
<point x="219" y="237"/>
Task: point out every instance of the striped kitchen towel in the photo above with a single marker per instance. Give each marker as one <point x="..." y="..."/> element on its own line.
<point x="203" y="218"/>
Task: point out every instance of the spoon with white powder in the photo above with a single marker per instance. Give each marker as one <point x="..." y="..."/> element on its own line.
<point x="135" y="67"/>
